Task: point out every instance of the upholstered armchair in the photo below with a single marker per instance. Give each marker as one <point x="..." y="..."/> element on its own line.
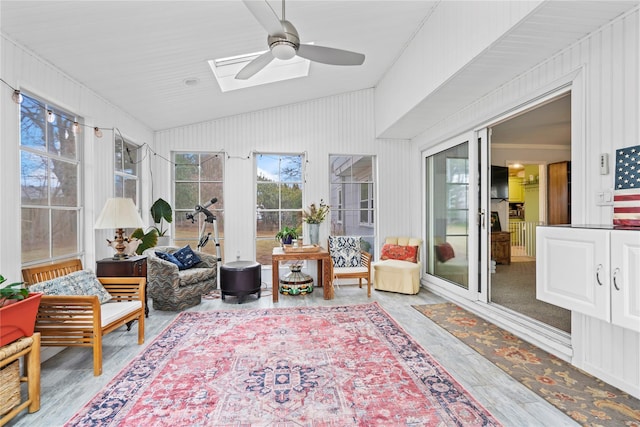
<point x="399" y="267"/>
<point x="175" y="289"/>
<point x="349" y="261"/>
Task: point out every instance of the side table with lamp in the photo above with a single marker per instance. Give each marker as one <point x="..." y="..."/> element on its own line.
<point x="120" y="213"/>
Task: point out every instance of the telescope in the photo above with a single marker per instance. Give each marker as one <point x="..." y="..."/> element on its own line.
<point x="202" y="209"/>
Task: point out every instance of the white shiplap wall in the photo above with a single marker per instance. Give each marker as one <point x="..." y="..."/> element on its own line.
<point x="604" y="74"/>
<point x="26" y="71"/>
<point x="341" y="124"/>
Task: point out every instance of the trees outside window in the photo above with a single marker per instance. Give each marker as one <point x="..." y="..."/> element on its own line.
<point x="49" y="182"/>
<point x="198" y="178"/>
<point x="279" y="187"/>
<point x="126" y="169"/>
<point x="353" y="197"/>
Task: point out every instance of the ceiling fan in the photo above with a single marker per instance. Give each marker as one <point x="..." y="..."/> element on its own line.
<point x="284" y="43"/>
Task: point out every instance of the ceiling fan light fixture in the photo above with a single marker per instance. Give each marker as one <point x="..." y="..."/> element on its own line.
<point x="283" y="50"/>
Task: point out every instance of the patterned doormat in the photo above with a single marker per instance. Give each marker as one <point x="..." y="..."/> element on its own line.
<point x="303" y="366"/>
<point x="583" y="397"/>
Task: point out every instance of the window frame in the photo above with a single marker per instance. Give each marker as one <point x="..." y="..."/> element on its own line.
<point x="346" y="183"/>
<point x="118" y="138"/>
<point x="263" y="212"/>
<point x="56" y="113"/>
<point x="216" y="209"/>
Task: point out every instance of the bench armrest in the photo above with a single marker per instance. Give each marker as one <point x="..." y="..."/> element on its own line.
<point x="125" y="288"/>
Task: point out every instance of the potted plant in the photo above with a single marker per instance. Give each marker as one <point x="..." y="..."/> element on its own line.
<point x="147" y="240"/>
<point x="161" y="211"/>
<point x="18" y="310"/>
<point x="286" y="235"/>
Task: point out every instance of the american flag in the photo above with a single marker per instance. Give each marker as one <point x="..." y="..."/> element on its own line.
<point x="626" y="194"/>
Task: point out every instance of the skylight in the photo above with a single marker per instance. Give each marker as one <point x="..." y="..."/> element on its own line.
<point x="225" y="69"/>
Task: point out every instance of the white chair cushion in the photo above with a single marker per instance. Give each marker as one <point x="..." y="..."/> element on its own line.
<point x="347" y="270"/>
<point x="112" y="311"/>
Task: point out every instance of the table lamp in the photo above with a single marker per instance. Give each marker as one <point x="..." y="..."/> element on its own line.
<point x="119" y="213"/>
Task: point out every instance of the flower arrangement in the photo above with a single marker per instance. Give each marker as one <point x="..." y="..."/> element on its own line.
<point x="314" y="214"/>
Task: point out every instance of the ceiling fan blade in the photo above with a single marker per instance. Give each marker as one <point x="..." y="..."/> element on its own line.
<point x="254" y="66"/>
<point x="266" y="16"/>
<point x="329" y="55"/>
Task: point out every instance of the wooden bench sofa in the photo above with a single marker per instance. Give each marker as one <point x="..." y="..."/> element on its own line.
<point x="80" y="320"/>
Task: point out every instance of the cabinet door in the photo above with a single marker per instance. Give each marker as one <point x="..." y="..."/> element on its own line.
<point x="625" y="279"/>
<point x="516" y="193"/>
<point x="572" y="269"/>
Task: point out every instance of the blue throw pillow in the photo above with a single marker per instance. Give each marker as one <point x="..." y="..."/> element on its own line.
<point x="187" y="257"/>
<point x="169" y="257"/>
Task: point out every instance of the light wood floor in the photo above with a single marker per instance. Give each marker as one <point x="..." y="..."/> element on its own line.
<point x="68" y="382"/>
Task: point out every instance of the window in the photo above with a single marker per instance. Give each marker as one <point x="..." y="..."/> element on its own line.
<point x="278" y="198"/>
<point x="447" y="214"/>
<point x="198" y="178"/>
<point x="49" y="181"/>
<point x="353" y="197"/>
<point x="126" y="169"/>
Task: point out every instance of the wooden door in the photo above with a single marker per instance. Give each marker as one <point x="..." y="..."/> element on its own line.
<point x="559" y="193"/>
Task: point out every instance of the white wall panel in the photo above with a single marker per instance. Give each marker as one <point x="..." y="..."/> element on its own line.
<point x="452" y="36"/>
<point x="604" y="72"/>
<point x="27" y="72"/>
<point x="341" y="124"/>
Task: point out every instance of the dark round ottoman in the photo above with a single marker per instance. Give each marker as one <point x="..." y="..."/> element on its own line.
<point x="240" y="278"/>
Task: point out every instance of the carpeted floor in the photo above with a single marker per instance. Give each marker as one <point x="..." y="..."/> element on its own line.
<point x="584" y="398"/>
<point x="514" y="286"/>
<point x="301" y="366"/>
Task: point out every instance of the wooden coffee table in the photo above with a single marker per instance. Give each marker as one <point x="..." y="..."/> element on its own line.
<point x="324" y="268"/>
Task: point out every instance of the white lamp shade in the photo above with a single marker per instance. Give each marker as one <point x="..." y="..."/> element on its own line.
<point x="119" y="212"/>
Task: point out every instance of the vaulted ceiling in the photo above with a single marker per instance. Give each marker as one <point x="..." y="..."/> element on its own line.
<point x="138" y="54"/>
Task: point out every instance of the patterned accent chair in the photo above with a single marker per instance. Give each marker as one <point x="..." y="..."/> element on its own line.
<point x="399" y="267"/>
<point x="175" y="290"/>
<point x="349" y="260"/>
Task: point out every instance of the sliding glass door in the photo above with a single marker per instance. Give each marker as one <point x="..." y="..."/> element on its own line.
<point x="450" y="220"/>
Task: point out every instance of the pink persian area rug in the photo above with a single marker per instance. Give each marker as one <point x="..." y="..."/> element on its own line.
<point x="303" y="366"/>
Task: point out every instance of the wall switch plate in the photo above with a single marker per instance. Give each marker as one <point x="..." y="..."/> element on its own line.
<point x="604" y="198"/>
<point x="604" y="164"/>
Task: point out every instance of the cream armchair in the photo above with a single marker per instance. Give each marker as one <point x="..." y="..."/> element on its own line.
<point x="399" y="267"/>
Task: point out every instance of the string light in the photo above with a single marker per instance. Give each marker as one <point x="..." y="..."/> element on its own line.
<point x="97" y="131"/>
<point x="17" y="96"/>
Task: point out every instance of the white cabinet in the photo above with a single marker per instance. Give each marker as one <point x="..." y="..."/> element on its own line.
<point x="592" y="271"/>
<point x="625" y="279"/>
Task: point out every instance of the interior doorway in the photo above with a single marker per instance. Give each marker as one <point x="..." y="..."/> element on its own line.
<point x="523" y="147"/>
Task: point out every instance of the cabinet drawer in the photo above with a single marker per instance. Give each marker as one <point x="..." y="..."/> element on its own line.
<point x="130" y="267"/>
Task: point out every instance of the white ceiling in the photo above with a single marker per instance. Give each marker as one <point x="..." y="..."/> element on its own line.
<point x="137" y="54"/>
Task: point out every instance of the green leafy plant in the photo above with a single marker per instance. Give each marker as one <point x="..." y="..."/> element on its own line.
<point x="149" y="239"/>
<point x="161" y="211"/>
<point x="286" y="234"/>
<point x="12" y="291"/>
